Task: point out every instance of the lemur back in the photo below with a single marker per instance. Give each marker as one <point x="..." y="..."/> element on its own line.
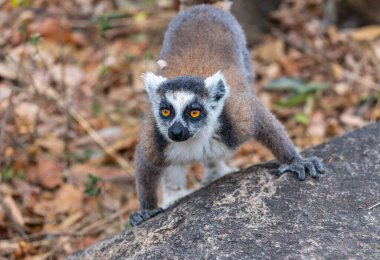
<point x="202" y="107"/>
<point x="203" y="40"/>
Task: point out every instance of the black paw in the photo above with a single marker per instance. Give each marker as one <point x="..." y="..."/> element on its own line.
<point x="300" y="165"/>
<point x="137" y="218"/>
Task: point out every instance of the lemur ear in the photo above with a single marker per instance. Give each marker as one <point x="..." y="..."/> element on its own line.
<point x="152" y="82"/>
<point x="162" y="64"/>
<point x="217" y="86"/>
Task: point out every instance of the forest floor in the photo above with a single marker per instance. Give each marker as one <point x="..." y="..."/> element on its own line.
<point x="71" y="103"/>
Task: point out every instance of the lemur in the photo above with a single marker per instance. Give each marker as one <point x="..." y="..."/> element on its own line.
<point x="202" y="108"/>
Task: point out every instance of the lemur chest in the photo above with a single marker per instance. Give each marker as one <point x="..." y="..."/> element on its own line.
<point x="197" y="151"/>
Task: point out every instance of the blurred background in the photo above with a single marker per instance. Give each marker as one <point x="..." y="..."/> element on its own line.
<point x="71" y="101"/>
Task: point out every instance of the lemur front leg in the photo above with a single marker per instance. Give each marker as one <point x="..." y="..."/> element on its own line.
<point x="147" y="180"/>
<point x="270" y="132"/>
<point x="174" y="185"/>
<point x="215" y="170"/>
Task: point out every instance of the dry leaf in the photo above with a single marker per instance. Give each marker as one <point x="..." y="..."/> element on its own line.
<point x="138" y="69"/>
<point x="352" y="120"/>
<point x="109" y="134"/>
<point x="55" y="30"/>
<point x="367" y="33"/>
<point x="341" y="88"/>
<point x="2" y="218"/>
<point x="9" y="247"/>
<point x="81" y="171"/>
<point x="337" y="71"/>
<point x="7" y="71"/>
<point x="333" y="34"/>
<point x="72" y="78"/>
<point x="290" y="67"/>
<point x="5" y="92"/>
<point x="68" y="199"/>
<point x="317" y="125"/>
<point x="270" y="52"/>
<point x="47" y="173"/>
<point x="25" y="117"/>
<point x="14" y="210"/>
<point x="71" y="220"/>
<point x="52" y="144"/>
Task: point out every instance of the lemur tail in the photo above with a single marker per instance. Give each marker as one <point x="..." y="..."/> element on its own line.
<point x="222" y="4"/>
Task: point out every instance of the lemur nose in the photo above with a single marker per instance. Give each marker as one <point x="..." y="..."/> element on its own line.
<point x="178" y="133"/>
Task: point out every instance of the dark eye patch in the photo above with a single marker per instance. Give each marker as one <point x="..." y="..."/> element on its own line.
<point x="167" y="105"/>
<point x="195" y="105"/>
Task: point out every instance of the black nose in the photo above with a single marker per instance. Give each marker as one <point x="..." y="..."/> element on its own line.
<point x="178" y="133"/>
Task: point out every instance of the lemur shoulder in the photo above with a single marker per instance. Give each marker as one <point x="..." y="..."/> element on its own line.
<point x="202" y="107"/>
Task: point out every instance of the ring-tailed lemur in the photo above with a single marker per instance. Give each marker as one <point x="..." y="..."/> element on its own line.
<point x="202" y="107"/>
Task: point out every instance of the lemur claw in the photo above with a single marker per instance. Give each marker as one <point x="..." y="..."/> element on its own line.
<point x="137" y="218"/>
<point x="300" y="165"/>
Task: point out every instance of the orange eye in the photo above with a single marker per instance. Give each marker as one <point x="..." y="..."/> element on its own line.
<point x="165" y="112"/>
<point x="195" y="113"/>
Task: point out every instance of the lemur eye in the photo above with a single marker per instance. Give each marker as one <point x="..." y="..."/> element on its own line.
<point x="165" y="112"/>
<point x="195" y="113"/>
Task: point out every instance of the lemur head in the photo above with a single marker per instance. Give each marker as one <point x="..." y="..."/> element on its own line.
<point x="186" y="107"/>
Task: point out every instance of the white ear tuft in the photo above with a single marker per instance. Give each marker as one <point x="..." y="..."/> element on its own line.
<point x="152" y="82"/>
<point x="217" y="87"/>
<point x="162" y="64"/>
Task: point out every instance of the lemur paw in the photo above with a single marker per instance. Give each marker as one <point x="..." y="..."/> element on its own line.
<point x="300" y="165"/>
<point x="136" y="218"/>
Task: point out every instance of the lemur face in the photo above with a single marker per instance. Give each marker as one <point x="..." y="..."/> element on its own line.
<point x="186" y="106"/>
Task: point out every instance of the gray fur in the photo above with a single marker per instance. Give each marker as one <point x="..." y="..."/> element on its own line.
<point x="177" y="40"/>
<point x="200" y="42"/>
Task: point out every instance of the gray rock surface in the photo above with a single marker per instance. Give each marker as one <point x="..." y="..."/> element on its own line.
<point x="255" y="215"/>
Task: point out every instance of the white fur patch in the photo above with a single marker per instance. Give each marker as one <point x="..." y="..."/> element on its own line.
<point x="152" y="82"/>
<point x="172" y="196"/>
<point x="162" y="64"/>
<point x="212" y="84"/>
<point x="174" y="185"/>
<point x="179" y="100"/>
<point x="200" y="148"/>
<point x="216" y="171"/>
<point x="214" y="79"/>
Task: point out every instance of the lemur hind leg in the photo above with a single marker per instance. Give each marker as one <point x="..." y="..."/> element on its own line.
<point x="215" y="170"/>
<point x="174" y="185"/>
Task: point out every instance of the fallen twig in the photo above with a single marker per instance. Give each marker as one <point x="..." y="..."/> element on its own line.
<point x="9" y="109"/>
<point x="8" y="213"/>
<point x="377" y="204"/>
<point x="363" y="81"/>
<point x="102" y="222"/>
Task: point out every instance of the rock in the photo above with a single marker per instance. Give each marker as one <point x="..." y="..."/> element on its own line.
<point x="254" y="214"/>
